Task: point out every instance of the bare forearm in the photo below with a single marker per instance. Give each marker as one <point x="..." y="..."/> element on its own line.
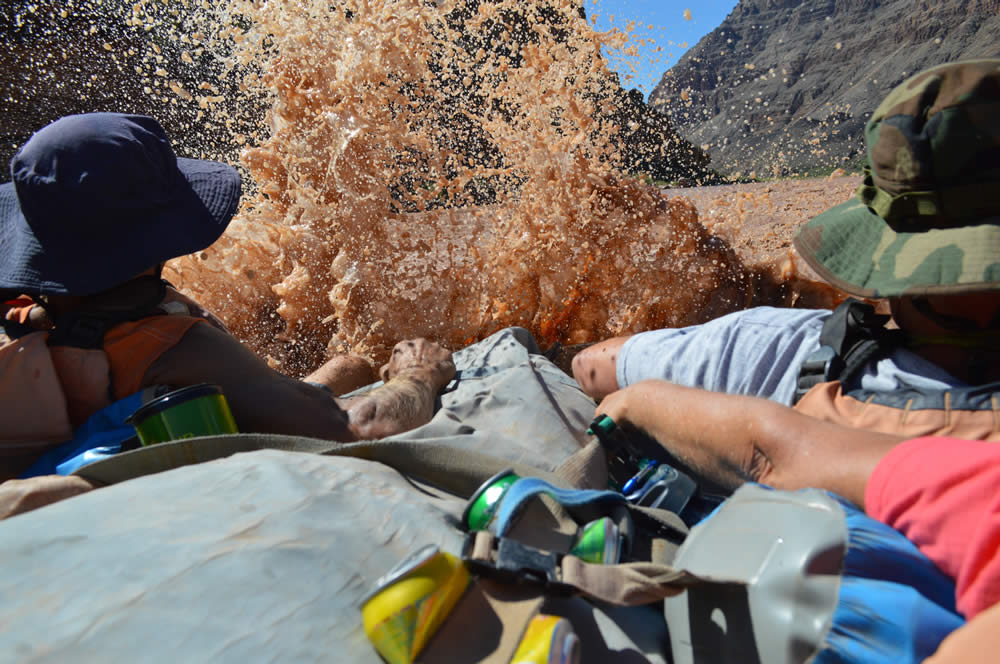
<point x="266" y="401"/>
<point x="403" y="403"/>
<point x="806" y="452"/>
<point x="706" y="431"/>
<point x="733" y="439"/>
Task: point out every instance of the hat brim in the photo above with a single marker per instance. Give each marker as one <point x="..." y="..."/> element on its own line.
<point x="97" y="256"/>
<point x="854" y="249"/>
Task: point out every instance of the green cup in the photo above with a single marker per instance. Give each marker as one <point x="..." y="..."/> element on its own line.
<point x="599" y="543"/>
<point x="198" y="410"/>
<point x="482" y="506"/>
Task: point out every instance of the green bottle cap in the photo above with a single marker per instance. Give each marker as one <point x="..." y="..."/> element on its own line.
<point x="602" y="424"/>
<point x="483" y="504"/>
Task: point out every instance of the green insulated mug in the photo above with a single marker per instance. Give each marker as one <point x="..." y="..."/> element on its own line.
<point x="198" y="410"/>
<point x="599" y="542"/>
<point x="482" y="507"/>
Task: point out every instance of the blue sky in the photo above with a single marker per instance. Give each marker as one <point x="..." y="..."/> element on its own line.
<point x="672" y="31"/>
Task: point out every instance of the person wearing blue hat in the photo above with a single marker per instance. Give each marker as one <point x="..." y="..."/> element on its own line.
<point x="97" y="203"/>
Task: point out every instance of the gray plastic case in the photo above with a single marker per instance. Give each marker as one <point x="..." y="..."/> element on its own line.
<point x="775" y="559"/>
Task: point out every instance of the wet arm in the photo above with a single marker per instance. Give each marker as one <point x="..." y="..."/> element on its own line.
<point x="415" y="373"/>
<point x="263" y="400"/>
<point x="733" y="439"/>
<point x="404" y="403"/>
<point x="595" y="367"/>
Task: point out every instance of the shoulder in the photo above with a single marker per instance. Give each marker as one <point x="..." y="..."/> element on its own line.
<point x="756" y="352"/>
<point x="772" y="318"/>
<point x="751" y="323"/>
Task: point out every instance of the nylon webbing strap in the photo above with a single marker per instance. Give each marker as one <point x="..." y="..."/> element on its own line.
<point x="667" y="524"/>
<point x="452" y="469"/>
<point x="626" y="584"/>
<point x="582" y="504"/>
<point x="587" y="469"/>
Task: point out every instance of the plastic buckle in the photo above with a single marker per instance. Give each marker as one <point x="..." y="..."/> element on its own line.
<point x="820" y="366"/>
<point x="512" y="561"/>
<point x="672" y="492"/>
<point x="820" y="362"/>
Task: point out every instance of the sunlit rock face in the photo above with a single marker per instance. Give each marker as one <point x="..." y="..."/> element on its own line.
<point x="785" y="86"/>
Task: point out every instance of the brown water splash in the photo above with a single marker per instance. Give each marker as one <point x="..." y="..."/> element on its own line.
<point x="442" y="169"/>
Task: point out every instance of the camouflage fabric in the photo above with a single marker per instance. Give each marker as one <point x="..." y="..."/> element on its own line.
<point x="926" y="219"/>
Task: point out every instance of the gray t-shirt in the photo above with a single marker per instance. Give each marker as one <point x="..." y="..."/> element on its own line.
<point x="758" y="352"/>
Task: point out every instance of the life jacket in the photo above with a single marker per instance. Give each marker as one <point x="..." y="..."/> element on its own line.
<point x="53" y="381"/>
<point x="855" y="336"/>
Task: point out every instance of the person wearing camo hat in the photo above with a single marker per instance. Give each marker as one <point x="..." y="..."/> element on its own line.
<point x="922" y="236"/>
<point x="899" y="419"/>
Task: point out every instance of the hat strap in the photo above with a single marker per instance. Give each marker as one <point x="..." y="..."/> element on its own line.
<point x="956" y="203"/>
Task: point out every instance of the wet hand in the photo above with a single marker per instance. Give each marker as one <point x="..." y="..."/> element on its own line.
<point x="620" y="406"/>
<point x="695" y="426"/>
<point x="420" y="356"/>
<point x="344" y="373"/>
<point x="18" y="496"/>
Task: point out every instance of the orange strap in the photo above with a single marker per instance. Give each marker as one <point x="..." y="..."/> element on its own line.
<point x="133" y="347"/>
<point x="20" y="313"/>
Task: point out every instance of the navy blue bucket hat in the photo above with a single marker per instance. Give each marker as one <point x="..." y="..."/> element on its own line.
<point x="98" y="198"/>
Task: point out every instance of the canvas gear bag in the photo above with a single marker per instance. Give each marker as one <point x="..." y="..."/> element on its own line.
<point x="268" y="554"/>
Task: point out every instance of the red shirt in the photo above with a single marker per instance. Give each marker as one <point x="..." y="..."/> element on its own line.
<point x="943" y="494"/>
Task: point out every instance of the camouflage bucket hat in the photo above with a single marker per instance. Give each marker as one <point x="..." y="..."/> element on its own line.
<point x="926" y="219"/>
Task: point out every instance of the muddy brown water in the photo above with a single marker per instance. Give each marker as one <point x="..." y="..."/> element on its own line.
<point x="441" y="169"/>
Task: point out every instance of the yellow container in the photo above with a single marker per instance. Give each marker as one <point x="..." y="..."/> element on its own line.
<point x="548" y="640"/>
<point x="411" y="601"/>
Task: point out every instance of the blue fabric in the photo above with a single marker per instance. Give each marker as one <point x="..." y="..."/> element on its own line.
<point x="584" y="504"/>
<point x="894" y="605"/>
<point x="758" y="352"/>
<point x="100" y="436"/>
<point x="882" y="621"/>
